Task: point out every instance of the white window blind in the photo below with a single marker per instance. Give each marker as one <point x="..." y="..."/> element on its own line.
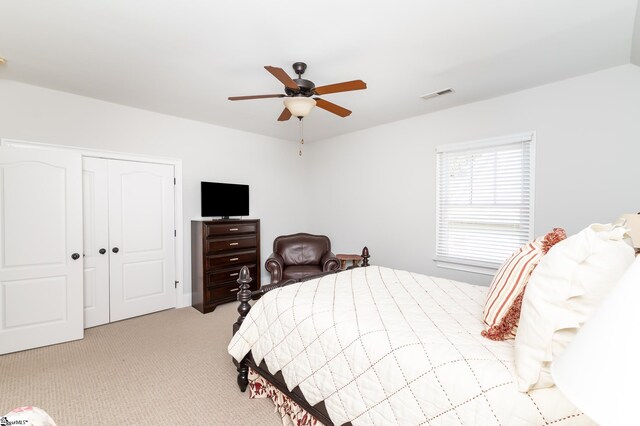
<point x="484" y="200"/>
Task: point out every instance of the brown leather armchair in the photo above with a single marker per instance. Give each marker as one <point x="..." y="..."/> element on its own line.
<point x="300" y="255"/>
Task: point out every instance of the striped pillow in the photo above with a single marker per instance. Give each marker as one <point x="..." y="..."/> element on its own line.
<point x="502" y="308"/>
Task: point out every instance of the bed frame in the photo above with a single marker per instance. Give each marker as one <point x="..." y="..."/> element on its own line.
<point x="319" y="410"/>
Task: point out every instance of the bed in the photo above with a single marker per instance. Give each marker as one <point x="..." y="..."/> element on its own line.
<point x="374" y="345"/>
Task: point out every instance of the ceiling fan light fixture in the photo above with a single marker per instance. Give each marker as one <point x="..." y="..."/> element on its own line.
<point x="299" y="106"/>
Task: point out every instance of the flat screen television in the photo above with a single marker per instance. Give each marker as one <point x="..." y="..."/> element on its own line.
<point x="224" y="199"/>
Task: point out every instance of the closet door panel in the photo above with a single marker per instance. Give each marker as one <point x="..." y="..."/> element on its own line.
<point x="40" y="248"/>
<point x="95" y="201"/>
<point x="141" y="234"/>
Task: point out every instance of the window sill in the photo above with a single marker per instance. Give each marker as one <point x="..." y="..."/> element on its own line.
<point x="467" y="266"/>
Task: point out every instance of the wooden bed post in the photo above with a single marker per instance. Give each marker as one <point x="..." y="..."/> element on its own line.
<point x="244" y="295"/>
<point x="365" y="256"/>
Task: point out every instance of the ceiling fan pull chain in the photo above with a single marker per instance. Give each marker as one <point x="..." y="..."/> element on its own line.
<point x="301" y="136"/>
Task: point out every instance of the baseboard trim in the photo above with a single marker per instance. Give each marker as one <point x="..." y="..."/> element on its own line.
<point x="185" y="301"/>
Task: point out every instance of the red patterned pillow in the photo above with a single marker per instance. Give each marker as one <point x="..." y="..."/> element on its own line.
<point x="502" y="308"/>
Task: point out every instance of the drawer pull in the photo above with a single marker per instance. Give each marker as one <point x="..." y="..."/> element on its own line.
<point x="233" y="229"/>
<point x="233" y="244"/>
<point x="233" y="259"/>
<point x="234" y="274"/>
<point x="234" y="289"/>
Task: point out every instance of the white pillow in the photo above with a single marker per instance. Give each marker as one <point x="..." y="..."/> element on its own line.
<point x="562" y="293"/>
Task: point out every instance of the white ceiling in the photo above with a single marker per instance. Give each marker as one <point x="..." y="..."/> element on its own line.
<point x="185" y="58"/>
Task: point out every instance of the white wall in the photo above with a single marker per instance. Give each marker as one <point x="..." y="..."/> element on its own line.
<point x="270" y="166"/>
<point x="635" y="41"/>
<point x="377" y="186"/>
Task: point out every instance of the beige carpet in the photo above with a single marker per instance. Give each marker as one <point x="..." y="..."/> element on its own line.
<point x="167" y="368"/>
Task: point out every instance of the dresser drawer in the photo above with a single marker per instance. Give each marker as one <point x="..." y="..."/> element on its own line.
<point x="213" y="229"/>
<point x="227" y="292"/>
<point x="228" y="260"/>
<point x="222" y="292"/>
<point x="228" y="275"/>
<point x="230" y="243"/>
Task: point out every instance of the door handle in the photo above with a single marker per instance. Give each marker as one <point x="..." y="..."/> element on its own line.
<point x="75" y="256"/>
<point x="115" y="249"/>
<point x="102" y="251"/>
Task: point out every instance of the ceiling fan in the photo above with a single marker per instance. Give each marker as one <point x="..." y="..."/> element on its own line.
<point x="301" y="94"/>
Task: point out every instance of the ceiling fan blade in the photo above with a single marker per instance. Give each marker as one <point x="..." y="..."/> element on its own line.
<point x="286" y="114"/>
<point x="243" y="98"/>
<point x="341" y="87"/>
<point x="331" y="107"/>
<point x="284" y="78"/>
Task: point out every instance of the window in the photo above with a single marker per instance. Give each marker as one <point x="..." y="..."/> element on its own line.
<point x="484" y="201"/>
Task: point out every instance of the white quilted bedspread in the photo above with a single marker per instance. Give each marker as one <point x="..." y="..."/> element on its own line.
<point x="383" y="346"/>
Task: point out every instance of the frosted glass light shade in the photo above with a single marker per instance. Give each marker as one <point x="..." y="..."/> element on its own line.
<point x="599" y="371"/>
<point x="299" y="106"/>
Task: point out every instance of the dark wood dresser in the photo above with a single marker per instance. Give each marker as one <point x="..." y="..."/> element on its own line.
<point x="219" y="249"/>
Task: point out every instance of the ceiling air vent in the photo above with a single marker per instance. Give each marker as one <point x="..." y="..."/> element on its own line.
<point x="438" y="93"/>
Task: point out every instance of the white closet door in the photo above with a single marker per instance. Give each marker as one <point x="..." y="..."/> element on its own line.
<point x="95" y="200"/>
<point x="40" y="248"/>
<point x="141" y="235"/>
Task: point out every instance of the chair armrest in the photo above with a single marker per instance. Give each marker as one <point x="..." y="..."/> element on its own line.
<point x="275" y="266"/>
<point x="330" y="262"/>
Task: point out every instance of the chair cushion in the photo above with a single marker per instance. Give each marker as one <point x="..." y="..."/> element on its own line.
<point x="302" y="249"/>
<point x="300" y="271"/>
